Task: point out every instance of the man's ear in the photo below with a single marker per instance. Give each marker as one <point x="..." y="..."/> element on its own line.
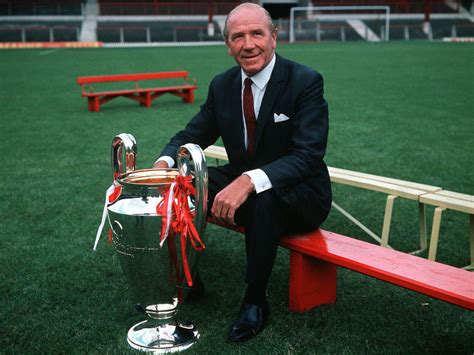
<point x="228" y="47"/>
<point x="274" y="38"/>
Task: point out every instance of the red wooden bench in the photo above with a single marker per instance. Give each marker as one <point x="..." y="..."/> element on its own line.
<point x="144" y="95"/>
<point x="314" y="259"/>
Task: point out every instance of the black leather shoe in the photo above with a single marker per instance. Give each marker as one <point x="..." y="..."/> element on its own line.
<point x="250" y="322"/>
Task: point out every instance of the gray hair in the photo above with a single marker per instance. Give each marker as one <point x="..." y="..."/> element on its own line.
<point x="271" y="25"/>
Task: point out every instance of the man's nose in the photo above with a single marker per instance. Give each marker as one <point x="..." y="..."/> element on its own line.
<point x="248" y="42"/>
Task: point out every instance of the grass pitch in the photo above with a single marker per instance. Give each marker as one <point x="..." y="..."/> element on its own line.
<point x="402" y="110"/>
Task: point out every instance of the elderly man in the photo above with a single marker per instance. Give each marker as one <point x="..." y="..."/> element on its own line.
<point x="273" y="120"/>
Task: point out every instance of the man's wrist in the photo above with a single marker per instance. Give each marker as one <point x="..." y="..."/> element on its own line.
<point x="167" y="159"/>
<point x="259" y="179"/>
<point x="250" y="180"/>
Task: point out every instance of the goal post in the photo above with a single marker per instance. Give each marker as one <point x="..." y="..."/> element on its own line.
<point x="351" y="14"/>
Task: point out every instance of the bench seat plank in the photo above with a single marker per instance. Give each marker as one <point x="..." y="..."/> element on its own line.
<point x="131" y="77"/>
<point x="434" y="279"/>
<point x="380" y="186"/>
<point x="414" y="185"/>
<point x="457" y="195"/>
<point x="450" y="200"/>
<point x="216" y="152"/>
<point x="396" y="187"/>
<point x="138" y="91"/>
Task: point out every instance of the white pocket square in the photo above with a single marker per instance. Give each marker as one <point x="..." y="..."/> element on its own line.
<point x="280" y="118"/>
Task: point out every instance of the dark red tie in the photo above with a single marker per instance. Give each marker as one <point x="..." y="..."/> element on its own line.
<point x="249" y="114"/>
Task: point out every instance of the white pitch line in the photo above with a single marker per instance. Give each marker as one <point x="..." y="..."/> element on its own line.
<point x="49" y="51"/>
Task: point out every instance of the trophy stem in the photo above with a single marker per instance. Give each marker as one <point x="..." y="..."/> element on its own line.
<point x="163" y="310"/>
<point x="162" y="336"/>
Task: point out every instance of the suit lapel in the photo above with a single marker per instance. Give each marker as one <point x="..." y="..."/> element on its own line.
<point x="277" y="79"/>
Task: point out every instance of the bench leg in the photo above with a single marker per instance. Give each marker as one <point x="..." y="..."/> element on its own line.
<point x="312" y="282"/>
<point x="422" y="223"/>
<point x="387" y="220"/>
<point x="435" y="233"/>
<point x="422" y="220"/>
<point x="145" y="99"/>
<point x="471" y="240"/>
<point x="189" y="96"/>
<point x="94" y="103"/>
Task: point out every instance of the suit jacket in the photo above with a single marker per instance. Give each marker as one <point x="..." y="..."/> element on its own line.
<point x="290" y="152"/>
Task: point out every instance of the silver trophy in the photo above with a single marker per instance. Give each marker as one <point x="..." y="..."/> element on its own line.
<point x="158" y="271"/>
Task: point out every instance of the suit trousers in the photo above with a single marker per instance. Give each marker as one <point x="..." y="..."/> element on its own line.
<point x="265" y="219"/>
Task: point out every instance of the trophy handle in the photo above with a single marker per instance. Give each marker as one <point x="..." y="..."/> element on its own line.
<point x="124" y="153"/>
<point x="201" y="179"/>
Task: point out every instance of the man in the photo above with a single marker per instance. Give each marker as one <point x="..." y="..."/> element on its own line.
<point x="273" y="120"/>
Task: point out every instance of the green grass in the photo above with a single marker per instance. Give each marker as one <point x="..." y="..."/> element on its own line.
<point x="403" y="110"/>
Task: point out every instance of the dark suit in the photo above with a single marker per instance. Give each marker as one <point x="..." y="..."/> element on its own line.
<point x="290" y="152"/>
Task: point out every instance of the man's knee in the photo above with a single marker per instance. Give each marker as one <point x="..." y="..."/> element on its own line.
<point x="267" y="200"/>
<point x="262" y="208"/>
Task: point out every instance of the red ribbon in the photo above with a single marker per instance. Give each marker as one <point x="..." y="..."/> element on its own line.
<point x="115" y="194"/>
<point x="112" y="197"/>
<point x="177" y="219"/>
<point x="110" y="236"/>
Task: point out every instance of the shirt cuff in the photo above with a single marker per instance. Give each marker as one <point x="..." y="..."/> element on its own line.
<point x="167" y="159"/>
<point x="260" y="180"/>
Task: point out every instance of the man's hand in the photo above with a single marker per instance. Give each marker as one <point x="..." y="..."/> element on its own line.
<point x="228" y="200"/>
<point x="161" y="164"/>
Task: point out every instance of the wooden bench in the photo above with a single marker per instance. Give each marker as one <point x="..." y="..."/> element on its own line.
<point x="314" y="259"/>
<point x="216" y="152"/>
<point x="143" y="95"/>
<point x="392" y="187"/>
<point x="449" y="200"/>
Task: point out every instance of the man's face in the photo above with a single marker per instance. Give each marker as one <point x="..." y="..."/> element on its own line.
<point x="249" y="40"/>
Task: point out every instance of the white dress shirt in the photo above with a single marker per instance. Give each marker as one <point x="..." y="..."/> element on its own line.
<point x="259" y="84"/>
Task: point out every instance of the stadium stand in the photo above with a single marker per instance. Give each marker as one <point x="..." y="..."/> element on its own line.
<point x="40" y="20"/>
<point x="40" y="32"/>
<point x="397" y="6"/>
<point x="176" y="7"/>
<point x="148" y="21"/>
<point x="153" y="31"/>
<point x="40" y="7"/>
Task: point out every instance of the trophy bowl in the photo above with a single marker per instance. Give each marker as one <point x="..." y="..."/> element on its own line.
<point x="159" y="270"/>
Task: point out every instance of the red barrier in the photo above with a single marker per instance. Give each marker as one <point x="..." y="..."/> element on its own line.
<point x="29" y="45"/>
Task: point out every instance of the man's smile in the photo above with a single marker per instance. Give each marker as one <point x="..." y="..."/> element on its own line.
<point x="248" y="57"/>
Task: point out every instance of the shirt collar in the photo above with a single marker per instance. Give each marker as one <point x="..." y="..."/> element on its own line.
<point x="262" y="77"/>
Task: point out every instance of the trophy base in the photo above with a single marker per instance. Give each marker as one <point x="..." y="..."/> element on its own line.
<point x="159" y="337"/>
